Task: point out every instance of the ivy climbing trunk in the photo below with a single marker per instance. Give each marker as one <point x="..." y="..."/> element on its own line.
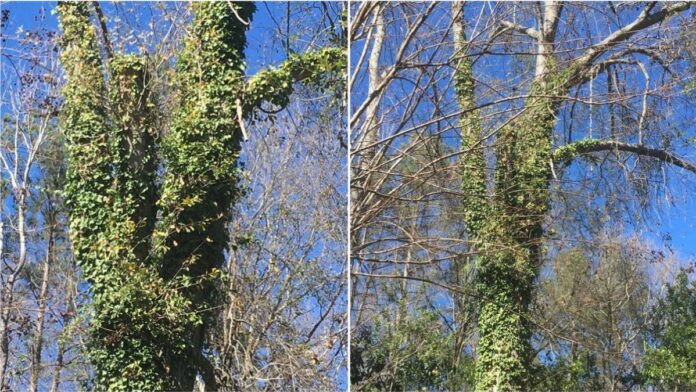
<point x="153" y="254"/>
<point x="509" y="247"/>
<point x="505" y="220"/>
<point x="506" y="230"/>
<point x="506" y="191"/>
<point x="153" y="285"/>
<point x="201" y="153"/>
<point x="134" y="315"/>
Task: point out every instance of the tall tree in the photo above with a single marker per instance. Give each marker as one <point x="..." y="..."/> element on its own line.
<point x="597" y="303"/>
<point x="153" y="255"/>
<point x="510" y="235"/>
<point x="507" y="226"/>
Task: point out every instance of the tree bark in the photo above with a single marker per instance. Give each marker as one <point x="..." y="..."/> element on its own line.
<point x="8" y="290"/>
<point x="37" y="344"/>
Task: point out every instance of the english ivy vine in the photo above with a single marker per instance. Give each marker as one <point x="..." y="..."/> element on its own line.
<point x="507" y="226"/>
<point x="153" y="255"/>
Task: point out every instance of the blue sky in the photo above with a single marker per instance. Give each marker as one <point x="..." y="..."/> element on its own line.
<point x="262" y="44"/>
<point x="676" y="220"/>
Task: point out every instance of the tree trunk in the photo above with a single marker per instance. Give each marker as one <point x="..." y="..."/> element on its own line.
<point x="37" y="344"/>
<point x="507" y="228"/>
<point x="8" y="289"/>
<point x="3" y="324"/>
<point x="366" y="144"/>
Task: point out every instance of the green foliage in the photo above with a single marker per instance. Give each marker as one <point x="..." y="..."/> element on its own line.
<point x="274" y="85"/>
<point x="507" y="229"/>
<point x="474" y="166"/>
<point x="568" y="152"/>
<point x="566" y="374"/>
<point x="367" y="358"/>
<point x="103" y="197"/>
<point x="86" y="128"/>
<point x="200" y="154"/>
<point x="406" y="355"/>
<point x="134" y="147"/>
<point x="671" y="364"/>
<point x="154" y="282"/>
<point x="504" y="351"/>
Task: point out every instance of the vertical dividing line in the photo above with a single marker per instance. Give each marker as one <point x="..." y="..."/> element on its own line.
<point x="349" y="40"/>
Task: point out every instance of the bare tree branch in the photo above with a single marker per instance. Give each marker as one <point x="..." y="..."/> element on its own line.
<point x="533" y="33"/>
<point x="643" y="21"/>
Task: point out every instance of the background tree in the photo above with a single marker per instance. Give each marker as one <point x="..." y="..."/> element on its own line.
<point x="670" y="361"/>
<point x="596" y="308"/>
<point x="40" y="332"/>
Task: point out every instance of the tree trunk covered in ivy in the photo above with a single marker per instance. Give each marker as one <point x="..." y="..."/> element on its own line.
<point x="505" y="223"/>
<point x="110" y="186"/>
<point x="201" y="152"/>
<point x="153" y="254"/>
<point x="510" y="250"/>
<point x="151" y="303"/>
<point x="505" y="228"/>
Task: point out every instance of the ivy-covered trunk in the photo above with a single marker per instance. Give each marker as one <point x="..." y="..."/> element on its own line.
<point x="201" y="152"/>
<point x="505" y="228"/>
<point x="153" y="285"/>
<point x="510" y="249"/>
<point x="153" y="254"/>
<point x="504" y="213"/>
